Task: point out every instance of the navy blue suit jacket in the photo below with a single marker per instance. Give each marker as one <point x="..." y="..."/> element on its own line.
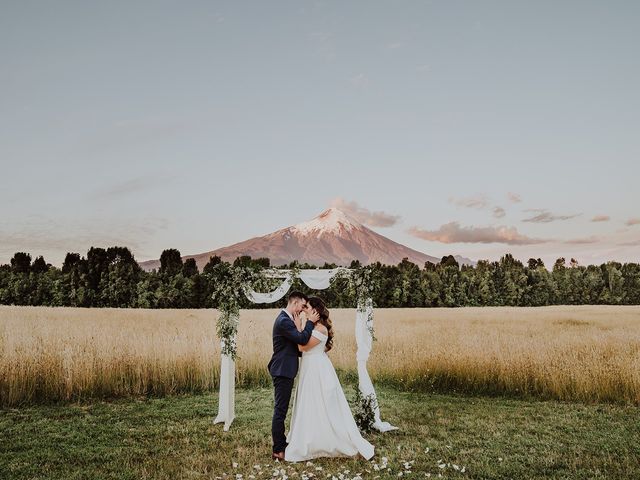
<point x="286" y="338"/>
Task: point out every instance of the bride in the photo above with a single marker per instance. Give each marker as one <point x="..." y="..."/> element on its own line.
<point x="321" y="422"/>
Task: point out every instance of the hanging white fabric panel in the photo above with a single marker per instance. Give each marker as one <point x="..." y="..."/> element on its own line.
<point x="364" y="342"/>
<point x="315" y="279"/>
<point x="318" y="279"/>
<point x="227" y="396"/>
<point x="273" y="296"/>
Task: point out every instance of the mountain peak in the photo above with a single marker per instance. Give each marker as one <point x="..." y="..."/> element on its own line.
<point x="332" y="237"/>
<point x="332" y="220"/>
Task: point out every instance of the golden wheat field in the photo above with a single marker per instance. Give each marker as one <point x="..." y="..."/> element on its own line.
<point x="580" y="353"/>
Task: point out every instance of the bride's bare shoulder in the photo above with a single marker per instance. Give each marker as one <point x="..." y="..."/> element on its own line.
<point x="321" y="328"/>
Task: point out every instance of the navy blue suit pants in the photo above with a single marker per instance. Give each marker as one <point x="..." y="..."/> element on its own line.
<point x="282" y="392"/>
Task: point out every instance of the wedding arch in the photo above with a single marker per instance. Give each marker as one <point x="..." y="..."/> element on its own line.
<point x="239" y="281"/>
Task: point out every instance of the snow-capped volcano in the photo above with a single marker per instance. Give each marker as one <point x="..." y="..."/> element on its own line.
<point x="331" y="237"/>
<point x="331" y="220"/>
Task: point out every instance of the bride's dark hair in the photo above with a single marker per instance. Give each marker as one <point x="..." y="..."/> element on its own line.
<point x="318" y="304"/>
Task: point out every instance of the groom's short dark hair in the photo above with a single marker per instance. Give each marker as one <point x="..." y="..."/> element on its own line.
<point x="296" y="294"/>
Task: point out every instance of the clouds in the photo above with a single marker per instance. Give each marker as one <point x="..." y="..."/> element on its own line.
<point x="583" y="241"/>
<point x="542" y="230"/>
<point x="452" y="232"/>
<point x="478" y="201"/>
<point x="545" y="216"/>
<point x="499" y="212"/>
<point x="632" y="243"/>
<point x="514" y="197"/>
<point x="364" y="215"/>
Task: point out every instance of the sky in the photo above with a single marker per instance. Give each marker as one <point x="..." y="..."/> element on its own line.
<point x="453" y="127"/>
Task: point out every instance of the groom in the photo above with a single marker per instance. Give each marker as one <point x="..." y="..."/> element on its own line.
<point x="283" y="366"/>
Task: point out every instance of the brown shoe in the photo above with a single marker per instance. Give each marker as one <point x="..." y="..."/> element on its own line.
<point x="277" y="456"/>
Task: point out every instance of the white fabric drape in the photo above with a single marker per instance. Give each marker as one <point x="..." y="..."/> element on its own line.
<point x="318" y="279"/>
<point x="315" y="279"/>
<point x="227" y="395"/>
<point x="364" y="342"/>
<point x="270" y="297"/>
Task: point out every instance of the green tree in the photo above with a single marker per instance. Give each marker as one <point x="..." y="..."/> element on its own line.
<point x="170" y="262"/>
<point x="211" y="264"/>
<point x="631" y="286"/>
<point x="39" y="265"/>
<point x="612" y="292"/>
<point x="21" y="262"/>
<point x="189" y="269"/>
<point x="118" y="287"/>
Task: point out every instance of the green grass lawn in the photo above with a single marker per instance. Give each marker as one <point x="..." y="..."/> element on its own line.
<point x="174" y="438"/>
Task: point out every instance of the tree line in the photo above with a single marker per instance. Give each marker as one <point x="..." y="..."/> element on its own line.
<point x="111" y="277"/>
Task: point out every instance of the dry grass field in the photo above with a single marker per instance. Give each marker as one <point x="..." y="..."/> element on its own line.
<point x="581" y="353"/>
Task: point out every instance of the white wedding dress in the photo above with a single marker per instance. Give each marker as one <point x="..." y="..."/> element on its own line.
<point x="321" y="421"/>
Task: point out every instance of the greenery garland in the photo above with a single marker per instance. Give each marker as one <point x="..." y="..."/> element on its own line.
<point x="364" y="410"/>
<point x="228" y="292"/>
<point x="363" y="283"/>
